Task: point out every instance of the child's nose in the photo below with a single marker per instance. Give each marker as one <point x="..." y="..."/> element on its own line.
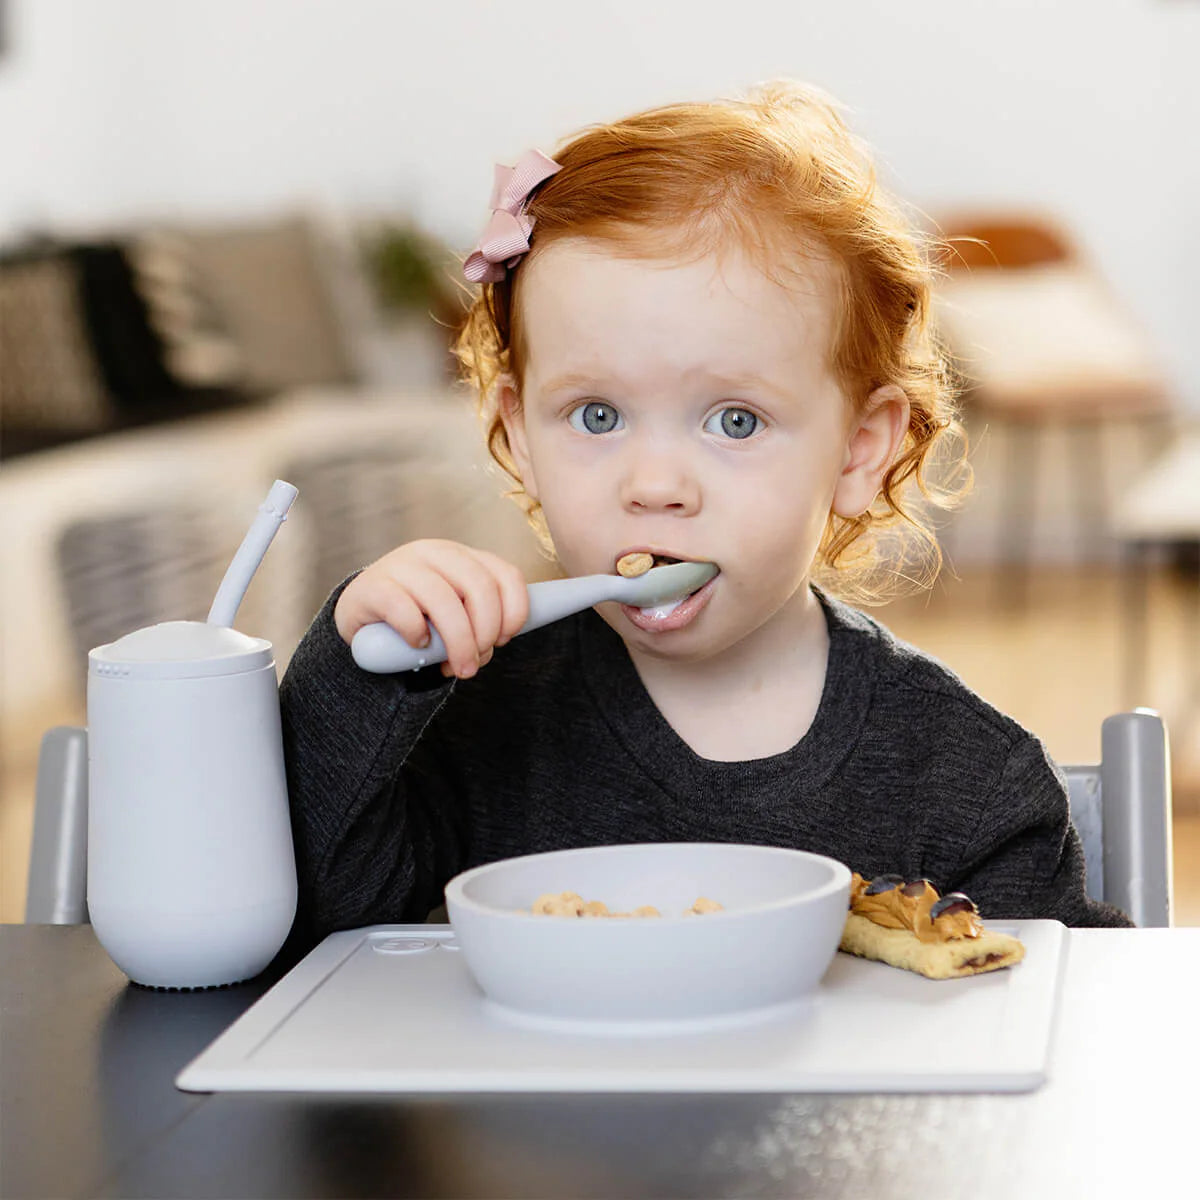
<point x="659" y="481"/>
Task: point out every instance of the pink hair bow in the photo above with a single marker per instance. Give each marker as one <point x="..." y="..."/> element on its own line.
<point x="506" y="236"/>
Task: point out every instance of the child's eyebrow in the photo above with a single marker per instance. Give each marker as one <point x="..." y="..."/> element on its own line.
<point x="748" y="381"/>
<point x="569" y="381"/>
<point x="733" y="383"/>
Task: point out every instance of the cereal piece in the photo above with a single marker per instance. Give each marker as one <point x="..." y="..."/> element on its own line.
<point x="572" y="904"/>
<point x="634" y="564"/>
<point x="560" y="904"/>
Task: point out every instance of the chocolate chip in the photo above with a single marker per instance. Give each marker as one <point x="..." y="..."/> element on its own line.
<point x="952" y="902"/>
<point x="883" y="883"/>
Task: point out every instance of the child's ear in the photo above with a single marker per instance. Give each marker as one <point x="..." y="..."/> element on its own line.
<point x="512" y="414"/>
<point x="874" y="439"/>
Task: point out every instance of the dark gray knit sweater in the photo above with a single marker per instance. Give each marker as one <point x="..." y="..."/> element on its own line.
<point x="399" y="782"/>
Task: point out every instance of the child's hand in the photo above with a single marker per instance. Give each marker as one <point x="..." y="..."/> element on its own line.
<point x="474" y="599"/>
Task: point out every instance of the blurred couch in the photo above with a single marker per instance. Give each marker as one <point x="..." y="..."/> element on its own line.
<point x="156" y="381"/>
<point x="110" y="329"/>
<point x="103" y="536"/>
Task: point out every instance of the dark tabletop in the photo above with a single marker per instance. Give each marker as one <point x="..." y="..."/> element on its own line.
<point x="88" y="1107"/>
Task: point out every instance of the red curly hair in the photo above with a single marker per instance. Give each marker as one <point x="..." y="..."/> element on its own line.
<point x="779" y="174"/>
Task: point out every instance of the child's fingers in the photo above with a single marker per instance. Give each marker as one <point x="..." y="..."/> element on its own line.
<point x="476" y="586"/>
<point x="493" y="590"/>
<point x="447" y="612"/>
<point x="484" y="659"/>
<point x="395" y="604"/>
<point x="474" y="599"/>
<point x="479" y="588"/>
<point x="377" y="596"/>
<point x="514" y="595"/>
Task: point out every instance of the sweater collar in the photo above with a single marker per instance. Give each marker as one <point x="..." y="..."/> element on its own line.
<point x="626" y="706"/>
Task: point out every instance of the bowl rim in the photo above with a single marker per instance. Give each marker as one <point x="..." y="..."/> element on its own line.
<point x="454" y="891"/>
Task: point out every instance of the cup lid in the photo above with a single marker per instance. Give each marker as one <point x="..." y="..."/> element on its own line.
<point x="180" y="649"/>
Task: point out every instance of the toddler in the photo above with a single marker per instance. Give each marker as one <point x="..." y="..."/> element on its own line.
<point x="701" y="334"/>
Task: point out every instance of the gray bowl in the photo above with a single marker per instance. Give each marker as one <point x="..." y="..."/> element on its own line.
<point x="783" y="919"/>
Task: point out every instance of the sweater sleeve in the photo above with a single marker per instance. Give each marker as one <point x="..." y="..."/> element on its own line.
<point x="369" y="845"/>
<point x="1024" y="858"/>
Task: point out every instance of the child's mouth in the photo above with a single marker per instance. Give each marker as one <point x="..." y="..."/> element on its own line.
<point x="675" y="614"/>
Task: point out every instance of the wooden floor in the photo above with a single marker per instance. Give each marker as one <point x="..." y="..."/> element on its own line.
<point x="1057" y="664"/>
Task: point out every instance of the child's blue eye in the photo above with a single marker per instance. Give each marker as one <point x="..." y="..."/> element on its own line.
<point x="595" y="417"/>
<point x="735" y="423"/>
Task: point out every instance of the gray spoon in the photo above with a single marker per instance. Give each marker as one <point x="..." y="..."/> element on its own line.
<point x="379" y="648"/>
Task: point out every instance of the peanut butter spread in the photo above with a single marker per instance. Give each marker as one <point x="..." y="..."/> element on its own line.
<point x="909" y="907"/>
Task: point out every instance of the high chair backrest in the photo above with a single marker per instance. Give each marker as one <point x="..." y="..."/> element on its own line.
<point x="56" y="893"/>
<point x="1121" y="807"/>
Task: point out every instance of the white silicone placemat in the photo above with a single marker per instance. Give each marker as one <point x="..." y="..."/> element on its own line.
<point x="367" y="1011"/>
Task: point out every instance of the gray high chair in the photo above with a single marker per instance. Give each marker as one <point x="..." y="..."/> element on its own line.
<point x="1121" y="807"/>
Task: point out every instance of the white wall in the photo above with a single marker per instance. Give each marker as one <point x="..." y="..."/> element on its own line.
<point x="151" y="107"/>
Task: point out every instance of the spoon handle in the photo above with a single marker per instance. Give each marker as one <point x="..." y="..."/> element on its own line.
<point x="379" y="648"/>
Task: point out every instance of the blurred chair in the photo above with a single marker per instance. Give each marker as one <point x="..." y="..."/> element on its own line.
<point x="1121" y="807"/>
<point x="1039" y="340"/>
<point x="365" y="497"/>
<point x="158" y="559"/>
<point x="56" y="891"/>
<point x="124" y="570"/>
<point x="1159" y="517"/>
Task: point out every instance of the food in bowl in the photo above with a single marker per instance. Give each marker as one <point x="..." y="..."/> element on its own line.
<point x="572" y="904"/>
<point x="784" y="912"/>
